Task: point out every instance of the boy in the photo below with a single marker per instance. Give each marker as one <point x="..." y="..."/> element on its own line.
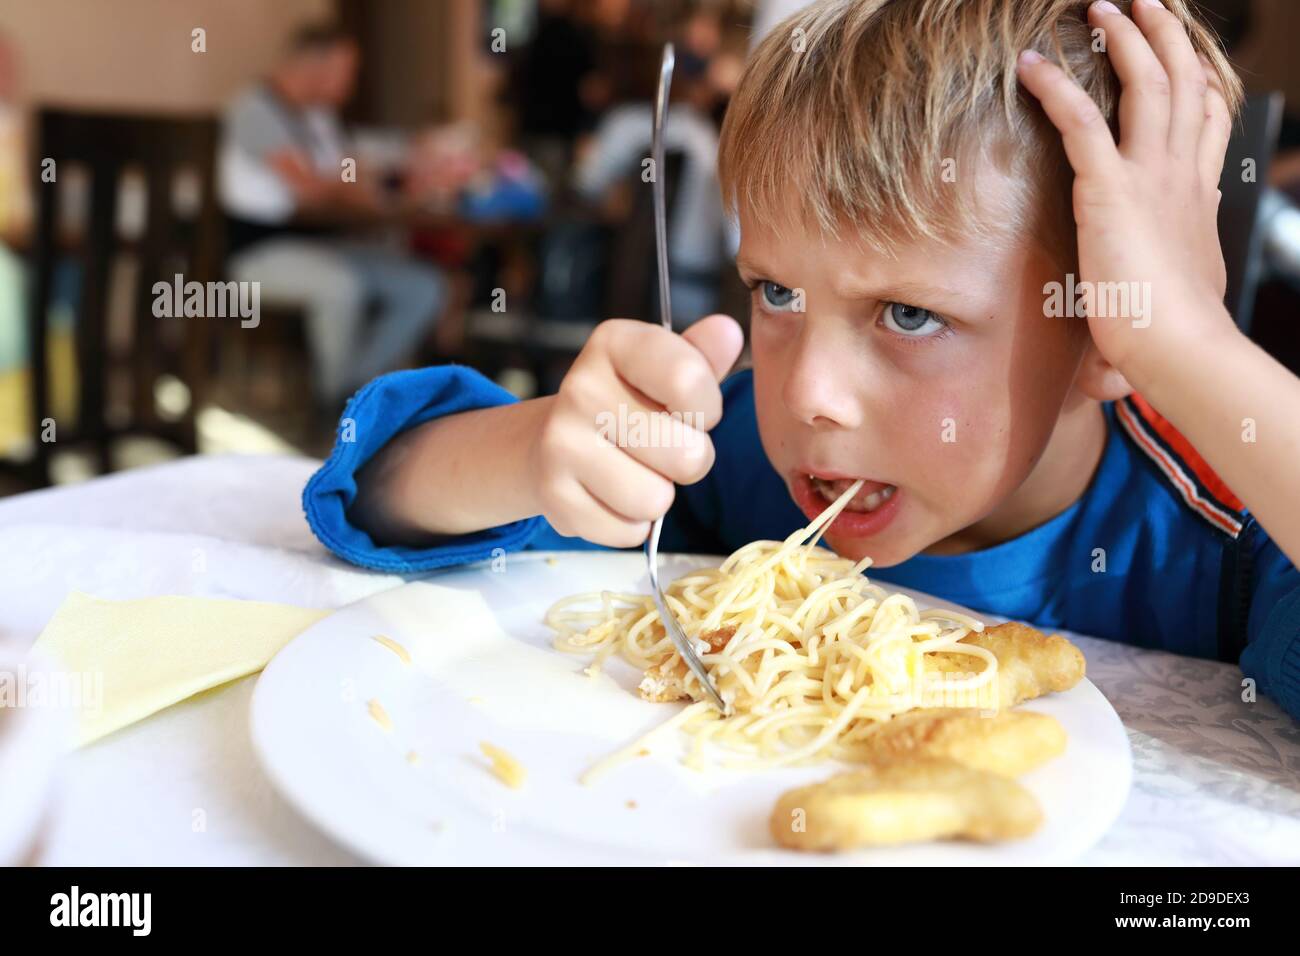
<point x="922" y="192"/>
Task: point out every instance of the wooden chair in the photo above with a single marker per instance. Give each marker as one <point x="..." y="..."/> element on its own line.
<point x="117" y="378"/>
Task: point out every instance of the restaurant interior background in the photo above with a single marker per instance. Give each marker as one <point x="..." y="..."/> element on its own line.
<point x="495" y="209"/>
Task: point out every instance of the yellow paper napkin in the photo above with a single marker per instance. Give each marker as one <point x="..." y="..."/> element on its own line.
<point x="138" y="657"/>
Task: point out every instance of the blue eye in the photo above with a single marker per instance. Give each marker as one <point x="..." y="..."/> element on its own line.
<point x="777" y="297"/>
<point x="911" y="320"/>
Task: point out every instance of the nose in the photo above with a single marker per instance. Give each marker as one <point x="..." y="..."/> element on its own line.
<point x="822" y="384"/>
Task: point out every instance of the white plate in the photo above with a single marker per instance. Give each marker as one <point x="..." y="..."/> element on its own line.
<point x="483" y="670"/>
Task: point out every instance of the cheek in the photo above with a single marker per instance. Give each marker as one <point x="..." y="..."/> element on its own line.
<point x="774" y="425"/>
<point x="990" y="429"/>
<point x="954" y="437"/>
<point x="952" y="428"/>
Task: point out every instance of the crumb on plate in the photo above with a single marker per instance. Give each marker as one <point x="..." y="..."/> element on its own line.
<point x="403" y="655"/>
<point x="379" y="715"/>
<point x="510" y="771"/>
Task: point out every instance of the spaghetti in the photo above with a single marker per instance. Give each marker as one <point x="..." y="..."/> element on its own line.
<point x="808" y="654"/>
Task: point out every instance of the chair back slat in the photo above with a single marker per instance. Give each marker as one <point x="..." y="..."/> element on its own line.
<point x="109" y="147"/>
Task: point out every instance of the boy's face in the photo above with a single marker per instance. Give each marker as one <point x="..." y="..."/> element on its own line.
<point x="934" y="375"/>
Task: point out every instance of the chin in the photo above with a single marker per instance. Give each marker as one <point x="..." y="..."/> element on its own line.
<point x="883" y="554"/>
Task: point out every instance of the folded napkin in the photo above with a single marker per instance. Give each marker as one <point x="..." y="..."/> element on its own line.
<point x="133" y="658"/>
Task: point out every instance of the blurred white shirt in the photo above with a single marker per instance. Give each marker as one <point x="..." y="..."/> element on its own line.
<point x="622" y="143"/>
<point x="257" y="124"/>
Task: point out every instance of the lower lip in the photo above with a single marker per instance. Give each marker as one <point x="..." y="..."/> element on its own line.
<point x="849" y="524"/>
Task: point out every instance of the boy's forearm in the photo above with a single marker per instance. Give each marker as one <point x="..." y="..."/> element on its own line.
<point x="1240" y="408"/>
<point x="453" y="475"/>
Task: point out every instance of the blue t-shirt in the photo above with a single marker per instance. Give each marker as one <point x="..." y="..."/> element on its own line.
<point x="1148" y="555"/>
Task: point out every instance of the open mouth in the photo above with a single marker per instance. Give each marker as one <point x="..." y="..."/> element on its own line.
<point x="870" y="496"/>
<point x="871" y="510"/>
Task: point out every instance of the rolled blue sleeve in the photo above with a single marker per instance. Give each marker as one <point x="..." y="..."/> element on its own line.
<point x="393" y="403"/>
<point x="1272" y="658"/>
<point x="379" y="412"/>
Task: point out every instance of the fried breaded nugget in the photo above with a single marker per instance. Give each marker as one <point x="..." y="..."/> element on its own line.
<point x="1030" y="663"/>
<point x="1008" y="743"/>
<point x="908" y="801"/>
<point x="665" y="681"/>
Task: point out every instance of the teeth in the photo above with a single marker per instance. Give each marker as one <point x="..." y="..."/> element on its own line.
<point x="830" y="490"/>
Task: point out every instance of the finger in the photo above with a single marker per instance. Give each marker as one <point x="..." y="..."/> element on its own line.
<point x="674" y="444"/>
<point x="671" y="448"/>
<point x="720" y="338"/>
<point x="668" y="370"/>
<point x="1187" y="82"/>
<point x="589" y="518"/>
<point x="1145" y="97"/>
<point x="1217" y="130"/>
<point x="1088" y="142"/>
<point x="627" y="488"/>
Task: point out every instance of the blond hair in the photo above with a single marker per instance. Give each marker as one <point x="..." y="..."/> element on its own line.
<point x="869" y="114"/>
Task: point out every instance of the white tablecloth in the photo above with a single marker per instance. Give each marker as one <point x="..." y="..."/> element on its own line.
<point x="1216" y="779"/>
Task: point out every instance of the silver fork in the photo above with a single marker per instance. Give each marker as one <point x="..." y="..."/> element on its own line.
<point x="675" y="633"/>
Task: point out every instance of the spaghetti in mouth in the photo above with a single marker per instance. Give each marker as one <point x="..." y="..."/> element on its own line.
<point x="869" y="497"/>
<point x="809" y="655"/>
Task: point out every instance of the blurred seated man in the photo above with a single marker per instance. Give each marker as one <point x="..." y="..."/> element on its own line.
<point x="621" y="143"/>
<point x="287" y="202"/>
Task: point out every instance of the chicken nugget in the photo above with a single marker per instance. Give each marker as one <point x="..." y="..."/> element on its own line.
<point x="890" y="803"/>
<point x="1007" y="743"/>
<point x="1030" y="663"/>
<point x="666" y="681"/>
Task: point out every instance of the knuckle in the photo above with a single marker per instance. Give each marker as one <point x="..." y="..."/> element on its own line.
<point x="1090" y="196"/>
<point x="664" y="497"/>
<point x="1156" y="82"/>
<point x="650" y="501"/>
<point x="630" y="535"/>
<point x="696" y="459"/>
<point x="581" y="389"/>
<point x="1085" y="115"/>
<point x="616" y="330"/>
<point x="600" y="335"/>
<point x="600" y="343"/>
<point x="711" y="412"/>
<point x="692" y="383"/>
<point x="684" y="381"/>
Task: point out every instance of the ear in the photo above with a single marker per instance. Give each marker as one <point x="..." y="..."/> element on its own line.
<point x="1098" y="379"/>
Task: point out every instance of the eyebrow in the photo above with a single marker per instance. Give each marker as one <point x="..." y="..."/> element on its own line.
<point x="890" y="291"/>
<point x="904" y="291"/>
<point x="745" y="265"/>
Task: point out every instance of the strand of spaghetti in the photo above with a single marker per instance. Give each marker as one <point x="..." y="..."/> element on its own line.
<point x="606" y="764"/>
<point x="810" y="654"/>
<point x="793" y="541"/>
<point x="818" y="742"/>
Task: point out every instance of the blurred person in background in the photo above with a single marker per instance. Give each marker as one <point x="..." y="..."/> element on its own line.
<point x="622" y="141"/>
<point x="550" y="83"/>
<point x="288" y="205"/>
